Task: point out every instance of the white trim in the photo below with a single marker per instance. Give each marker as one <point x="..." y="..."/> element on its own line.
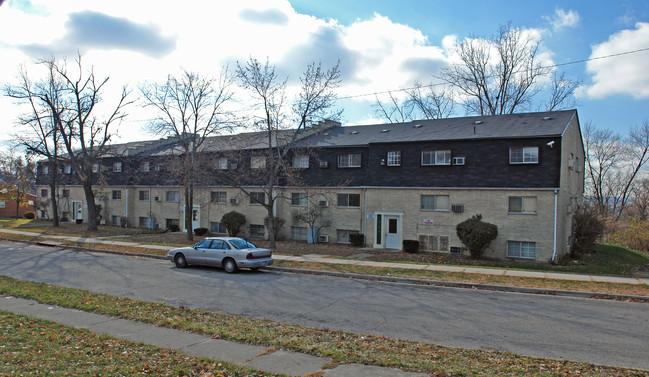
<point x="556" y="215"/>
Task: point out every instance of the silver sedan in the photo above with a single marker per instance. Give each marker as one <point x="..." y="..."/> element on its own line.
<point x="231" y="253"/>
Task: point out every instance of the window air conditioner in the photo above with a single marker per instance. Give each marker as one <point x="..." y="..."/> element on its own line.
<point x="323" y="239"/>
<point x="234" y="201"/>
<point x="324" y="164"/>
<point x="323" y="203"/>
<point x="457" y="208"/>
<point x="456" y="250"/>
<point x="458" y="160"/>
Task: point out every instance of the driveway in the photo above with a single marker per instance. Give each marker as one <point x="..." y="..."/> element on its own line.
<point x="596" y="331"/>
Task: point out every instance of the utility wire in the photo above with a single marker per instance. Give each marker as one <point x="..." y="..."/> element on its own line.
<point x="542" y="67"/>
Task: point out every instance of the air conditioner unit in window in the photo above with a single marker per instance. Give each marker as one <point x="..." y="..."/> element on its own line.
<point x="323" y="203"/>
<point x="324" y="164"/>
<point x="571" y="164"/>
<point x="323" y="239"/>
<point x="234" y="201"/>
<point x="456" y="250"/>
<point x="457" y="208"/>
<point x="458" y="160"/>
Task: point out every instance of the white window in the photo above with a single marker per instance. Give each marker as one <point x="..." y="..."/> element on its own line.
<point x="46" y="170"/>
<point x="145" y="166"/>
<point x="298" y="199"/>
<point x="394" y="158"/>
<point x="2" y="204"/>
<point x="522" y="204"/>
<point x="521" y="249"/>
<point x="349" y="160"/>
<point x="44" y="193"/>
<point x="342" y="235"/>
<point x="257" y="162"/>
<point x="526" y="155"/>
<point x="95" y="168"/>
<point x="116" y="220"/>
<point x="67" y="169"/>
<point x="143" y="222"/>
<point x="438" y="157"/>
<point x="171" y="222"/>
<point x="66" y="193"/>
<point x="433" y="243"/>
<point x="257" y="198"/>
<point x="143" y="195"/>
<point x="117" y="194"/>
<point x="222" y="163"/>
<point x="434" y="202"/>
<point x="257" y="231"/>
<point x="299" y="233"/>
<point x="220" y="197"/>
<point x="217" y="228"/>
<point x="172" y="196"/>
<point x="117" y="167"/>
<point x="349" y="200"/>
<point x="301" y="161"/>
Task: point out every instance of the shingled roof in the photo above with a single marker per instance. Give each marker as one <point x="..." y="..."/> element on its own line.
<point x="540" y="124"/>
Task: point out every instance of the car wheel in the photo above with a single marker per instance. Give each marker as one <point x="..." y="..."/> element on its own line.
<point x="181" y="261"/>
<point x="230" y="265"/>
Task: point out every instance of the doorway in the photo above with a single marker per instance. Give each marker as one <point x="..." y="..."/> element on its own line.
<point x="392" y="232"/>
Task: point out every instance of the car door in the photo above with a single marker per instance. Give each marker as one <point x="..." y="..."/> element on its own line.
<point x="197" y="254"/>
<point x="217" y="251"/>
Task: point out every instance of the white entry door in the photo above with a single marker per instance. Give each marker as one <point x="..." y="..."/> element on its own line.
<point x="392" y="236"/>
<point x="196" y="217"/>
<point x="77" y="210"/>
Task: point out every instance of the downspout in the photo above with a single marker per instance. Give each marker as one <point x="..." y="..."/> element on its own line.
<point x="126" y="204"/>
<point x="364" y="216"/>
<point x="556" y="215"/>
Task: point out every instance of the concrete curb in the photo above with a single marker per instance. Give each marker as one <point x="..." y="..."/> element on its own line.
<point x="387" y="279"/>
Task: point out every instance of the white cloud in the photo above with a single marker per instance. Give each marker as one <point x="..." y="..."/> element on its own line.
<point x="625" y="74"/>
<point x="563" y="19"/>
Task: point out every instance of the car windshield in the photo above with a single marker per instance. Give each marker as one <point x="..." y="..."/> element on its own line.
<point x="242" y="244"/>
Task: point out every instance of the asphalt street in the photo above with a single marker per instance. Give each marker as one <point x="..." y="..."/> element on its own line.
<point x="598" y="331"/>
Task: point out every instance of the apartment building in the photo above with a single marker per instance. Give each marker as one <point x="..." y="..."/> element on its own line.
<point x="390" y="182"/>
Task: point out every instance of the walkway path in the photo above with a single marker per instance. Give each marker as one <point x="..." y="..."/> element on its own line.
<point x="409" y="266"/>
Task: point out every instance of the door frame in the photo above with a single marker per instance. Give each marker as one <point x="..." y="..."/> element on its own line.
<point x="381" y="228"/>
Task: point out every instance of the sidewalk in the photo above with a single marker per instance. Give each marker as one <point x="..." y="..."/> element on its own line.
<point x="252" y="356"/>
<point x="409" y="266"/>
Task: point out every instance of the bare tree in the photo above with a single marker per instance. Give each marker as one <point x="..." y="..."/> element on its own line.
<point x="39" y="126"/>
<point x="313" y="216"/>
<point x="190" y="108"/>
<point x="18" y="176"/>
<point x="613" y="164"/>
<point x="421" y="102"/>
<point x="85" y="135"/>
<point x="282" y="124"/>
<point x="503" y="75"/>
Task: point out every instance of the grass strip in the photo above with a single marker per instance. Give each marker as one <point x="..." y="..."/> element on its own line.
<point x="342" y="347"/>
<point x="36" y="347"/>
<point x="474" y="278"/>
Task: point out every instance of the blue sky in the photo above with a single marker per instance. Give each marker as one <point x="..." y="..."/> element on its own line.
<point x="382" y="45"/>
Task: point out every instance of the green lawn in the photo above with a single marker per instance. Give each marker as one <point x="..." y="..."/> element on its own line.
<point x="32" y="347"/>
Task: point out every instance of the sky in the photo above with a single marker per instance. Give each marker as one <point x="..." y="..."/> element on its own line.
<point x="381" y="45"/>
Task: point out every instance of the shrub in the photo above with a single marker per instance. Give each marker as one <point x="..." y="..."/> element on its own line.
<point x="278" y="222"/>
<point x="233" y="221"/>
<point x="200" y="231"/>
<point x="356" y="239"/>
<point x="174" y="228"/>
<point x="411" y="246"/>
<point x="123" y="222"/>
<point x="586" y="228"/>
<point x="633" y="234"/>
<point x="29" y="215"/>
<point x="476" y="234"/>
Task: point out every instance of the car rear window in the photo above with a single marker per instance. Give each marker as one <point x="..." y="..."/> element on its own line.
<point x="242" y="244"/>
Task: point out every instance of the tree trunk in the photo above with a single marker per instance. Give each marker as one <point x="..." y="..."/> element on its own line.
<point x="55" y="202"/>
<point x="189" y="211"/>
<point x="271" y="225"/>
<point x="92" y="210"/>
